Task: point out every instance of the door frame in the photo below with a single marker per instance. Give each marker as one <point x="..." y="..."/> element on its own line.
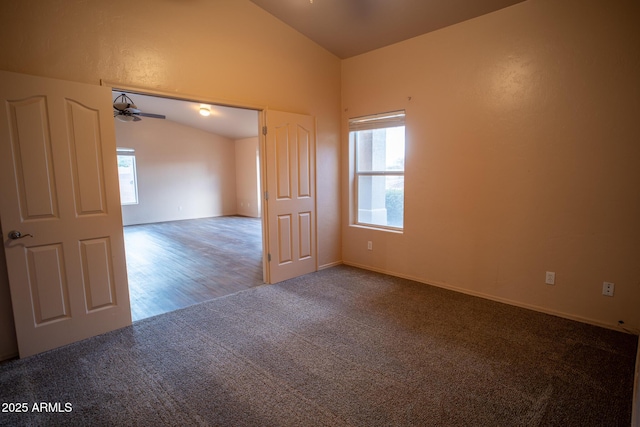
<point x="261" y="109"/>
<point x="261" y="151"/>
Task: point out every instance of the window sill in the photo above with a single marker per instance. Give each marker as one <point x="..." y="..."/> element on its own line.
<point x="378" y="228"/>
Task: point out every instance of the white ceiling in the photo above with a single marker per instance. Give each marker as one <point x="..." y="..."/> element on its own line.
<point x="351" y="27"/>
<point x="230" y="122"/>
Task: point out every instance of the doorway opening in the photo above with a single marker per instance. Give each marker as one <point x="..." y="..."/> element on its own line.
<point x="192" y="214"/>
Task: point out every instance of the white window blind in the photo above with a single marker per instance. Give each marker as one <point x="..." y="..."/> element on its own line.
<point x="377" y="121"/>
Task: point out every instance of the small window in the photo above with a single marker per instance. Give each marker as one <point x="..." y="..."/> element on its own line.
<point x="378" y="143"/>
<point x="127" y="175"/>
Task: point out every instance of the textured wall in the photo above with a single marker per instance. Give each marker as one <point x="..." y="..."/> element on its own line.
<point x="8" y="345"/>
<point x="523" y="156"/>
<point x="247" y="177"/>
<point x="225" y="50"/>
<point x="183" y="172"/>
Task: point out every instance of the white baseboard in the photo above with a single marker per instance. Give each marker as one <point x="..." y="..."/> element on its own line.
<point x="331" y="264"/>
<point x="613" y="326"/>
<point x="635" y="417"/>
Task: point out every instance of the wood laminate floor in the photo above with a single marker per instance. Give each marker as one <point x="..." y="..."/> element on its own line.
<point x="176" y="264"/>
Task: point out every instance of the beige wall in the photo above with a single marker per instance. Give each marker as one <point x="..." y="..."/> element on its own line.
<point x="8" y="344"/>
<point x="247" y="173"/>
<point x="522" y="142"/>
<point x="224" y="49"/>
<point x="523" y="156"/>
<point x="183" y="172"/>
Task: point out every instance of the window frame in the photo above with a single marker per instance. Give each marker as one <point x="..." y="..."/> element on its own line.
<point x="375" y="122"/>
<point x="128" y="152"/>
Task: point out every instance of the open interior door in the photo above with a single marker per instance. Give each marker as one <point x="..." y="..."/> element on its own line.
<point x="291" y="202"/>
<point x="60" y="211"/>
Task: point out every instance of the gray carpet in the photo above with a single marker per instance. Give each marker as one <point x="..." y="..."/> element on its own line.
<point x="341" y="347"/>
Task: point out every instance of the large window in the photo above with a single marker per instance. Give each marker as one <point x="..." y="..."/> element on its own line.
<point x="127" y="175"/>
<point x="378" y="143"/>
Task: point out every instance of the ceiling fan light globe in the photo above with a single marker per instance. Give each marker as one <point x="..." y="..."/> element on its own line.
<point x="124" y="118"/>
<point x="123" y="105"/>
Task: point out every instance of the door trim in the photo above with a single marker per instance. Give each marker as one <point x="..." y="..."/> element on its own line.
<point x="141" y="90"/>
<point x="180" y="96"/>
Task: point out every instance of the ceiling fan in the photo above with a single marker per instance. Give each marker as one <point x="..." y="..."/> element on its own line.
<point x="126" y="111"/>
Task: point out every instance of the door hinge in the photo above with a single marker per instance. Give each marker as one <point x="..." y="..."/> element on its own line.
<point x="269" y="257"/>
<point x="266" y="195"/>
<point x="264" y="130"/>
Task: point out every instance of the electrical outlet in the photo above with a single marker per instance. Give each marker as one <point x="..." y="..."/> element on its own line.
<point x="550" y="278"/>
<point x="370" y="245"/>
<point x="607" y="289"/>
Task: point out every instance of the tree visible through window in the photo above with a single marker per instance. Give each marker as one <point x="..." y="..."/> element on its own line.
<point x="379" y="169"/>
<point x="127" y="175"/>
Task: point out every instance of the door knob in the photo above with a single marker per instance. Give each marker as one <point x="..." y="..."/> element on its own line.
<point x="15" y="235"/>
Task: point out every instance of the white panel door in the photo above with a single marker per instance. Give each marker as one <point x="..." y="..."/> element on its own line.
<point x="59" y="191"/>
<point x="291" y="205"/>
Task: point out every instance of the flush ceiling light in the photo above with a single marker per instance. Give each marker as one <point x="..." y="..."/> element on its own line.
<point x="205" y="111"/>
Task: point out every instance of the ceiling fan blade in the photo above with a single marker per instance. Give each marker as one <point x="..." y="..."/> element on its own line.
<point x="155" y="116"/>
<point x="126" y="110"/>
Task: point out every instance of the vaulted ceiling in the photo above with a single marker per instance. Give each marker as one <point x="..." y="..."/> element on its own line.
<point x="351" y="27"/>
<point x="344" y="27"/>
